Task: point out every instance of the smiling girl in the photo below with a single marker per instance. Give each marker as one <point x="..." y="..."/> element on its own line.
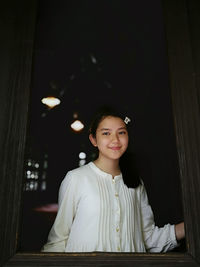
<point x="103" y="205"/>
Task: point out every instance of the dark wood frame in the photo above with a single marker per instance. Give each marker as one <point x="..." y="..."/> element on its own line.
<point x="17" y="30"/>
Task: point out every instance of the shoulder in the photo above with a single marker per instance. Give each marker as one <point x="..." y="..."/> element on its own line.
<point x="140" y="190"/>
<point x="80" y="171"/>
<point x="77" y="174"/>
<point x="73" y="181"/>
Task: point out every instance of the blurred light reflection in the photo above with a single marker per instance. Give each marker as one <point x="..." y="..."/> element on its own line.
<point x="50" y="101"/>
<point x="82" y="155"/>
<point x="77" y="126"/>
<point x="82" y="162"/>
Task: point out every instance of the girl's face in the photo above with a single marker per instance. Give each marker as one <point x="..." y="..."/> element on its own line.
<point x="111" y="138"/>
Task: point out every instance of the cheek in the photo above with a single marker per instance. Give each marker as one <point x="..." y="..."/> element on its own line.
<point x="125" y="142"/>
<point x="102" y="142"/>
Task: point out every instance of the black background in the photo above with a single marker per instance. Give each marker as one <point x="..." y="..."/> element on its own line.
<point x="127" y="40"/>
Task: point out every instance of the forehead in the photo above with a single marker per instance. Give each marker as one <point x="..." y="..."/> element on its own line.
<point x="111" y="122"/>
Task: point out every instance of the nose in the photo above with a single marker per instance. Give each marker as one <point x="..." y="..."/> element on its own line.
<point x="115" y="138"/>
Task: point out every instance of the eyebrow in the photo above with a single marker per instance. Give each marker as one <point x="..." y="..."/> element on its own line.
<point x="108" y="129"/>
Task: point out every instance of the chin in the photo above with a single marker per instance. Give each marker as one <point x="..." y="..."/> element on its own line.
<point x="116" y="157"/>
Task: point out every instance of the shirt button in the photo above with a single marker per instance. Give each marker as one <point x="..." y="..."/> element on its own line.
<point x="116" y="195"/>
<point x="117" y="229"/>
<point x="118" y="248"/>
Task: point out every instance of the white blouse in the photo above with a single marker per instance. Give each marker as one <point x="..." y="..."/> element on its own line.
<point x="100" y="213"/>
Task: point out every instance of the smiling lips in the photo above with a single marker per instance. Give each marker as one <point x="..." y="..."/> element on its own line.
<point x="115" y="148"/>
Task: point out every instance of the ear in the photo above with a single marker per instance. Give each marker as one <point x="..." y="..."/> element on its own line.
<point x="93" y="140"/>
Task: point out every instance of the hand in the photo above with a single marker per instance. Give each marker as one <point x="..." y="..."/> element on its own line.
<point x="180" y="231"/>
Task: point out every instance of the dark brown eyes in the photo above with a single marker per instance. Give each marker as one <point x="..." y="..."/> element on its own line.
<point x="108" y="133"/>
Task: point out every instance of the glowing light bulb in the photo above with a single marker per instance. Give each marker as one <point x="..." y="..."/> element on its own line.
<point x="82" y="155"/>
<point x="77" y="126"/>
<point x="51" y="101"/>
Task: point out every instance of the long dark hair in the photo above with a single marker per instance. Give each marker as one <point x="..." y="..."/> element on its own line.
<point x="127" y="161"/>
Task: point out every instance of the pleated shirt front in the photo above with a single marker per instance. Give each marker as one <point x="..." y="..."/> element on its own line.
<point x="100" y="213"/>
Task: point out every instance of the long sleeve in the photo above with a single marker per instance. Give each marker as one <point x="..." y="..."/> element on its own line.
<point x="156" y="239"/>
<point x="67" y="204"/>
<point x="99" y="213"/>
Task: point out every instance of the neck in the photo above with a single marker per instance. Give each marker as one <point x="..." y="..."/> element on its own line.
<point x="109" y="166"/>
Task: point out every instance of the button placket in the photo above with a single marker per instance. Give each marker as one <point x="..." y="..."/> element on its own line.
<point x="117" y="216"/>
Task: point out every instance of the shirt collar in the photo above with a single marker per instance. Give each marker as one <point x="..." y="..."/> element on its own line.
<point x="102" y="173"/>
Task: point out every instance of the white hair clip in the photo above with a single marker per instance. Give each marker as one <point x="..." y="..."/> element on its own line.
<point x="127" y="120"/>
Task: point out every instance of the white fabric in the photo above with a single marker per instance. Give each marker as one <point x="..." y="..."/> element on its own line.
<point x="99" y="213"/>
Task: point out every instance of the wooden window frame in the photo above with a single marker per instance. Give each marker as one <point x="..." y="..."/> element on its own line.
<point x="183" y="73"/>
